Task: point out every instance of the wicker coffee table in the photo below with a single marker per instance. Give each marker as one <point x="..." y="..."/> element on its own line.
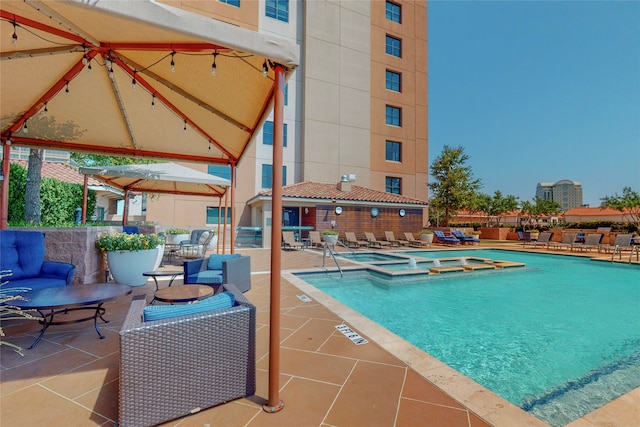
<point x="183" y="293"/>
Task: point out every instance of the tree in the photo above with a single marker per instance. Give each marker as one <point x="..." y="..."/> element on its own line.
<point x="628" y="204"/>
<point x="453" y="186"/>
<point x="495" y="206"/>
<point x="32" y="208"/>
<point x="539" y="208"/>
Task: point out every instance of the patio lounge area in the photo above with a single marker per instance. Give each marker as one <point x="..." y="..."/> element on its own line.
<point x="71" y="377"/>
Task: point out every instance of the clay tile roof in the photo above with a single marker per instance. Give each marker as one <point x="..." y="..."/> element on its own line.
<point x="329" y="191"/>
<point x="584" y="211"/>
<point x="62" y="172"/>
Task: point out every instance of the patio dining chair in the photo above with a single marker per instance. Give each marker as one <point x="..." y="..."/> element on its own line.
<point x="197" y="244"/>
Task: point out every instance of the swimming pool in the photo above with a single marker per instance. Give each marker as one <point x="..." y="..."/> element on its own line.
<point x="558" y="338"/>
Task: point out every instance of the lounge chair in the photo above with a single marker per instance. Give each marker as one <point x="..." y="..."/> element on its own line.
<point x="411" y="241"/>
<point x="375" y="243"/>
<point x="197" y="245"/>
<point x="580" y="236"/>
<point x="591" y="242"/>
<point x="315" y="240"/>
<point x="289" y="241"/>
<point x="543" y="240"/>
<point x="391" y="238"/>
<point x="353" y="242"/>
<point x="524" y="236"/>
<point x="442" y="238"/>
<point x="568" y="239"/>
<point x="464" y="239"/>
<point x="622" y="242"/>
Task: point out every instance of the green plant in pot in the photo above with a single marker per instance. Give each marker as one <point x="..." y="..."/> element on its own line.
<point x="176" y="235"/>
<point x="426" y="235"/>
<point x="330" y="236"/>
<point x="130" y="255"/>
<point x="177" y="230"/>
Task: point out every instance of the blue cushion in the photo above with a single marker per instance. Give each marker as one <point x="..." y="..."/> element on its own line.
<point x="216" y="302"/>
<point x="22" y="253"/>
<point x="215" y="261"/>
<point x="206" y="277"/>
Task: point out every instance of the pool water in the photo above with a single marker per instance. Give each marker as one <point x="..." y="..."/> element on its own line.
<point x="368" y="257"/>
<point x="559" y="337"/>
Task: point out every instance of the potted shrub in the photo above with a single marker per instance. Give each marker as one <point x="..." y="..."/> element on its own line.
<point x="330" y="236"/>
<point x="473" y="233"/>
<point x="426" y="235"/>
<point x="130" y="255"/>
<point x="534" y="234"/>
<point x="176" y="235"/>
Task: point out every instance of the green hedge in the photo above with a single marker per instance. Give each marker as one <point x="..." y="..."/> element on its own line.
<point x="58" y="199"/>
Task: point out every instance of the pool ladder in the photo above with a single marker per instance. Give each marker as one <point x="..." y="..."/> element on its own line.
<point x="333" y="254"/>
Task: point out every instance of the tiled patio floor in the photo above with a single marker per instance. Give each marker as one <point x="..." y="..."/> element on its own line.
<point x="71" y="377"/>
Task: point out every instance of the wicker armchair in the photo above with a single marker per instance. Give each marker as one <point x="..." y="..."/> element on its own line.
<point x="171" y="368"/>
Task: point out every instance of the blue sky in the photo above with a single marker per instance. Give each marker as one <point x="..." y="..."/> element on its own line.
<point x="538" y="91"/>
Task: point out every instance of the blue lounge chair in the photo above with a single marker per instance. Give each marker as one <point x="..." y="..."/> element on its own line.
<point x="446" y="239"/>
<point x="460" y="236"/>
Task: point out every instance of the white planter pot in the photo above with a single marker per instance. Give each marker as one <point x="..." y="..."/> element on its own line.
<point x="159" y="257"/>
<point x="331" y="239"/>
<point x="127" y="267"/>
<point x="427" y="238"/>
<point x="175" y="239"/>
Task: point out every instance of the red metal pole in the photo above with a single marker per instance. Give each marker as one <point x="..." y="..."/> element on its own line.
<point x="85" y="191"/>
<point x="233" y="207"/>
<point x="224" y="230"/>
<point x="274" y="404"/>
<point x="4" y="198"/>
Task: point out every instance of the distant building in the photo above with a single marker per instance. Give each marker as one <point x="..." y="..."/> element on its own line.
<point x="567" y="194"/>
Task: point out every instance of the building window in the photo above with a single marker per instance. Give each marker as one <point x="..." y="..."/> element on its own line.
<point x="222" y="171"/>
<point x="278" y="9"/>
<point x="267" y="176"/>
<point x="267" y="134"/>
<point x="393" y="80"/>
<point x="286" y="94"/>
<point x="212" y="215"/>
<point x="394" y="46"/>
<point x="393" y="185"/>
<point x="393" y="12"/>
<point x="236" y="3"/>
<point x="393" y="151"/>
<point x="393" y="116"/>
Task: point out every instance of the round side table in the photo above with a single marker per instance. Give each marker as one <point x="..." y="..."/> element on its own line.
<point x="183" y="293"/>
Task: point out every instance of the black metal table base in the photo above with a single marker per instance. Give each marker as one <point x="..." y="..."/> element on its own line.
<point x="98" y="312"/>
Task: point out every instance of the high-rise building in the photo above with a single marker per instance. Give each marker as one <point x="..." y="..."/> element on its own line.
<point x="566" y="193"/>
<point x="356" y="105"/>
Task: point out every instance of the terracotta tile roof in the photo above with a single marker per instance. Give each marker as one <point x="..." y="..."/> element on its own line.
<point x="592" y="211"/>
<point x="329" y="191"/>
<point x="61" y="171"/>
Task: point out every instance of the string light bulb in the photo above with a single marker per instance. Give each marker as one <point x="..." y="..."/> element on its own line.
<point x="133" y="81"/>
<point x="89" y="69"/>
<point x="66" y="89"/>
<point x="213" y="66"/>
<point x="265" y="69"/>
<point x="46" y="110"/>
<point x="25" y="129"/>
<point x="173" y="64"/>
<point x="14" y="37"/>
<point x="153" y="101"/>
<point x="185" y="126"/>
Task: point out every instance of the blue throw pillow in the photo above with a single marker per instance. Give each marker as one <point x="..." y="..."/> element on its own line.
<point x="216" y="302"/>
<point x="215" y="261"/>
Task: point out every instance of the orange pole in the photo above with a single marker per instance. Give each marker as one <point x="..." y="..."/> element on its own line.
<point x="233" y="208"/>
<point x="85" y="192"/>
<point x="219" y="210"/>
<point x="224" y="230"/>
<point x="4" y="198"/>
<point x="274" y="404"/>
<point x="125" y="211"/>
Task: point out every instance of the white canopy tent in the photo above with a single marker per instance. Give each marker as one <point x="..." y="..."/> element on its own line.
<point x="140" y="78"/>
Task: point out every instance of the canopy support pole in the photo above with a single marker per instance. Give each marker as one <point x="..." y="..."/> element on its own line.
<point x="233" y="207"/>
<point x="85" y="194"/>
<point x="4" y="199"/>
<point x="125" y="210"/>
<point x="274" y="404"/>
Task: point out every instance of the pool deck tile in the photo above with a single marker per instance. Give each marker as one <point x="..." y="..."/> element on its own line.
<point x="71" y="377"/>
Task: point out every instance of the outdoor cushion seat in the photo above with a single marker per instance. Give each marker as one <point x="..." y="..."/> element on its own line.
<point x="219" y="268"/>
<point x="174" y="367"/>
<point x="22" y="254"/>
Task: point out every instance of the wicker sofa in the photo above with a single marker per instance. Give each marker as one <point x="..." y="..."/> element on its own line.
<point x="171" y="368"/>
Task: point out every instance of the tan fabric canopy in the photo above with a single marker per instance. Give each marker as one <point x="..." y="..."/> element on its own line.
<point x="166" y="178"/>
<point x="68" y="80"/>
